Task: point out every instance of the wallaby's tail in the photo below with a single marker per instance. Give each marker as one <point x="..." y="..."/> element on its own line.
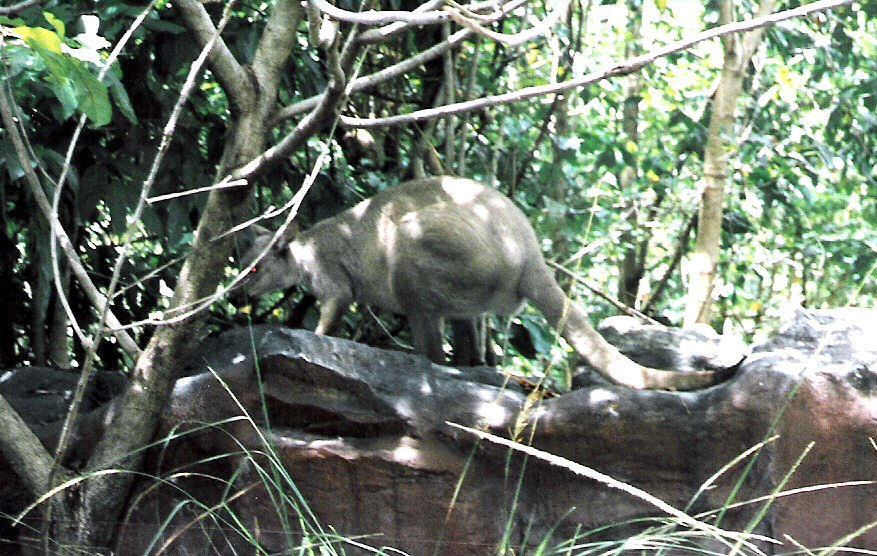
<point x="572" y="322"/>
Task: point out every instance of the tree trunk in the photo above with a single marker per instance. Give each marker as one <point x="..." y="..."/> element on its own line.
<point x="41" y="271"/>
<point x="720" y="145"/>
<point x="253" y="94"/>
<point x="11" y="302"/>
<point x="631" y="267"/>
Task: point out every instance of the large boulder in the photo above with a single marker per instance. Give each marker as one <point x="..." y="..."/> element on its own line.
<point x="364" y="434"/>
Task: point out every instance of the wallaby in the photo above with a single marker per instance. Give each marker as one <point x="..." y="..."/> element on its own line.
<point x="439" y="248"/>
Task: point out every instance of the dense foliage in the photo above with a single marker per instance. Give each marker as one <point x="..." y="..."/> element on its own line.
<point x="800" y="224"/>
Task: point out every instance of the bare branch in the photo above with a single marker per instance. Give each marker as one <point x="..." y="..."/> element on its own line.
<point x="382" y="34"/>
<point x="230" y="74"/>
<point x="726" y="17"/>
<point x="276" y="44"/>
<point x="224" y="184"/>
<point x="518" y="38"/>
<point x="450" y="86"/>
<point x="15" y="8"/>
<point x="629" y="311"/>
<point x="753" y="39"/>
<point x="628" y="66"/>
<point x="329" y="105"/>
<point x="395" y="70"/>
<point x="372" y="17"/>
<point x="385" y="74"/>
<point x="500" y="9"/>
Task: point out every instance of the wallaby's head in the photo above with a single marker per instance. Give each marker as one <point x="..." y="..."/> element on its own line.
<point x="273" y="271"/>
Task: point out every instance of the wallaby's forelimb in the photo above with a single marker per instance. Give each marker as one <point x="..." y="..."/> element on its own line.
<point x="330" y="311"/>
<point x="467" y="343"/>
<point x="426" y="332"/>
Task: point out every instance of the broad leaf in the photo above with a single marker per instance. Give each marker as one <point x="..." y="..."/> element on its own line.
<point x="37" y="37"/>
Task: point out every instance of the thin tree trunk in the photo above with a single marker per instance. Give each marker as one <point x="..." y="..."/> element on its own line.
<point x="720" y="146"/>
<point x="11" y="299"/>
<point x="42" y="293"/>
<point x="631" y="266"/>
<point x="253" y="94"/>
<point x="59" y="348"/>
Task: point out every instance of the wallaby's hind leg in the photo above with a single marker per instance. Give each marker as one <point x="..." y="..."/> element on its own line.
<point x="426" y="334"/>
<point x="330" y="312"/>
<point x="468" y="348"/>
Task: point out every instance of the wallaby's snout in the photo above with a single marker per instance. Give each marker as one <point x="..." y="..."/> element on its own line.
<point x="270" y="268"/>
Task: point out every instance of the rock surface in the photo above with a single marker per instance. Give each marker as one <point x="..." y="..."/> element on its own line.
<point x="363" y="433"/>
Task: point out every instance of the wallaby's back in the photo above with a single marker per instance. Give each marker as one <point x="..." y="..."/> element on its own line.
<point x="442" y="245"/>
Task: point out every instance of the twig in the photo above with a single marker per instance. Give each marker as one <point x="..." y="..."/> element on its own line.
<point x="387" y="73"/>
<point x="20" y="6"/>
<point x="599" y="293"/>
<point x="623" y="68"/>
<point x="501" y="8"/>
<point x="518" y="38"/>
<point x="382" y="34"/>
<point x="681" y="247"/>
<point x="224" y="184"/>
<point x="383" y="17"/>
<point x="378" y="77"/>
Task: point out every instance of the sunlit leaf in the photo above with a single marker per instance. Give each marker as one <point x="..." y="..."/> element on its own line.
<point x="39" y="37"/>
<point x="55" y="22"/>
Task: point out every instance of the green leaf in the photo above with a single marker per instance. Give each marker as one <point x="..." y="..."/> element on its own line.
<point x="10" y="157"/>
<point x="17" y="22"/>
<point x="20" y="58"/>
<point x="94" y="100"/>
<point x="59" y="68"/>
<point x="72" y="77"/>
<point x="37" y="37"/>
<point x="55" y="22"/>
<point x="120" y="97"/>
<point x="66" y="95"/>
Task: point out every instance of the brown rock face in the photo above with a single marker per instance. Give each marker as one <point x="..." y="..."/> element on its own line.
<point x="362" y="434"/>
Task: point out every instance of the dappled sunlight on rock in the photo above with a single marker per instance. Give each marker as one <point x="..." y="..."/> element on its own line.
<point x="492" y="414"/>
<point x="602" y="395"/>
<point x="405" y="452"/>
